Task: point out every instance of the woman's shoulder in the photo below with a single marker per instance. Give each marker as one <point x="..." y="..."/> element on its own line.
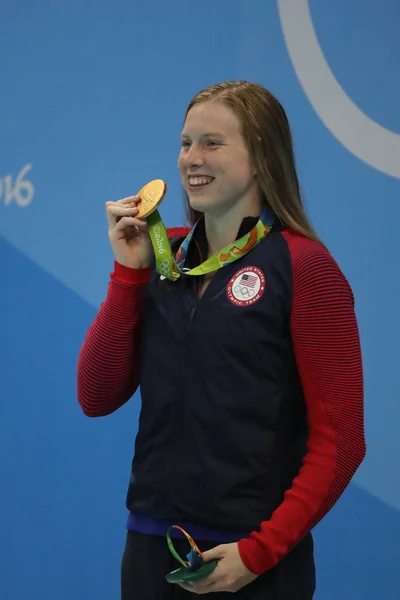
<point x="312" y="261"/>
<point x="298" y="244"/>
<point x="303" y="248"/>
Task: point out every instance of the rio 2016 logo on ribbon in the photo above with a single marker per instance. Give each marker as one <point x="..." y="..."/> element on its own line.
<point x="370" y="142"/>
<point x="20" y="191"/>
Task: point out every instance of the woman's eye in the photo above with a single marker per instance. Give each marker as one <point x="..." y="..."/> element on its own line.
<point x="208" y="143"/>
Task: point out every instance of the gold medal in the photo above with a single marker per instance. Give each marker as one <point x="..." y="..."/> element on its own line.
<point x="151" y="195"/>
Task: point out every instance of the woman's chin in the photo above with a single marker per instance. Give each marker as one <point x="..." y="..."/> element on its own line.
<point x="198" y="204"/>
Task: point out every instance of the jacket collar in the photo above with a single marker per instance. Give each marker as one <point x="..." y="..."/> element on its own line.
<point x="198" y="247"/>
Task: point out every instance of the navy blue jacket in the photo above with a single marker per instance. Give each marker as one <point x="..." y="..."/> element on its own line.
<point x="223" y="426"/>
<point x="252" y="395"/>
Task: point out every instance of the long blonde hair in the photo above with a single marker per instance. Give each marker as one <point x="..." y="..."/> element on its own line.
<point x="266" y="131"/>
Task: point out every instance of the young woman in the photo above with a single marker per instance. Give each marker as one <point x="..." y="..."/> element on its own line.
<point x="251" y="423"/>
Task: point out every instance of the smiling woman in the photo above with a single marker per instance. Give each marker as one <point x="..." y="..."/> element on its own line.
<point x="216" y="169"/>
<point x="250" y="371"/>
<point x="252" y="143"/>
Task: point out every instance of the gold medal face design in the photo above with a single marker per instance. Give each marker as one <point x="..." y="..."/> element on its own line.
<point x="152" y="194"/>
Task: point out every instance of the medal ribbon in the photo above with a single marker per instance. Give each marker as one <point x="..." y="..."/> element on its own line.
<point x="171" y="267"/>
<point x="194" y="556"/>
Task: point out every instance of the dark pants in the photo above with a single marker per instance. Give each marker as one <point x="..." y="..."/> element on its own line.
<point x="147" y="559"/>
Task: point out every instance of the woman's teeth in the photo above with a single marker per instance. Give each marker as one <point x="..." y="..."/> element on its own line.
<point x="197" y="181"/>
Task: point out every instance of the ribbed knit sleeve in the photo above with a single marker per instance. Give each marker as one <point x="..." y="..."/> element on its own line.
<point x="327" y="348"/>
<point x="109" y="359"/>
<point x="108" y="363"/>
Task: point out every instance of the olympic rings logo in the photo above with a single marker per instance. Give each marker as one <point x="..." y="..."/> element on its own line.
<point x="243" y="291"/>
<point x="165" y="267"/>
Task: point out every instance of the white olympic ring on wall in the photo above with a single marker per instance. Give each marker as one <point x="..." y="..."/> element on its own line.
<point x="370" y="142"/>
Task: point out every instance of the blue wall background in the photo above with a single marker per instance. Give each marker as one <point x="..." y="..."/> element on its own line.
<point x="91" y="103"/>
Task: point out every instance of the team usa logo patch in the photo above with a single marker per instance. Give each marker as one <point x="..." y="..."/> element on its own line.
<point x="246" y="286"/>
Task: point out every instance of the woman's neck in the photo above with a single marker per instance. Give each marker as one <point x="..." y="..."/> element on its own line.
<point x="222" y="229"/>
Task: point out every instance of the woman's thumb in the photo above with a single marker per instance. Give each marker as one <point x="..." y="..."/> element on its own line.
<point x="217" y="552"/>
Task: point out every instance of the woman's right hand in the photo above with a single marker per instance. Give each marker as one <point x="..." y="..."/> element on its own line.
<point x="128" y="236"/>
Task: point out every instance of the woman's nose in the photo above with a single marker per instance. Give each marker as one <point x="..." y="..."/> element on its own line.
<point x="194" y="157"/>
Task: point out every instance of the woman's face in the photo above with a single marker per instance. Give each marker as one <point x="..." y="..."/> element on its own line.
<point x="214" y="162"/>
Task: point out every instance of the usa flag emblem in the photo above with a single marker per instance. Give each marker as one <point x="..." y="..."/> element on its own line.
<point x="248" y="280"/>
<point x="246" y="287"/>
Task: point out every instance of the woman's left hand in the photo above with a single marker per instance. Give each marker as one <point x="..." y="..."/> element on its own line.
<point x="230" y="575"/>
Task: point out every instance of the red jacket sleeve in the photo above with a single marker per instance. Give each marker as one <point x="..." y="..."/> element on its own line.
<point x="327" y="348"/>
<point x="108" y="363"/>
